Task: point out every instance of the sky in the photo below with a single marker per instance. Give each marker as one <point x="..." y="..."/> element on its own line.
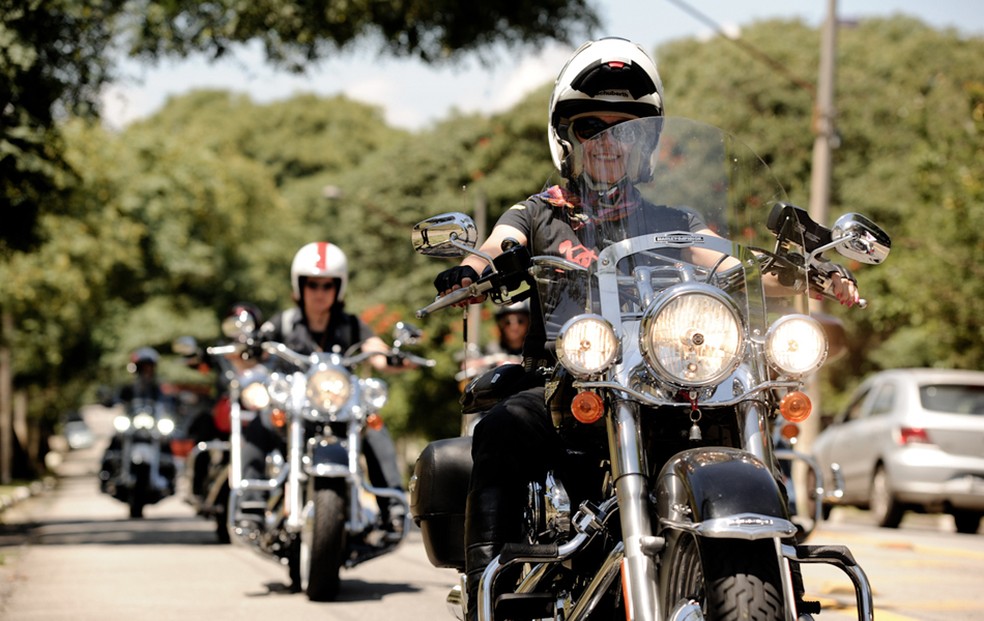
<point x="414" y="95"/>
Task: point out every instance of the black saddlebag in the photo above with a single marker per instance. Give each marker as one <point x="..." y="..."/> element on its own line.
<point x="437" y="499"/>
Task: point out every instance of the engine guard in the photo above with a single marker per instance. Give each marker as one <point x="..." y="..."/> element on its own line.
<point x="722" y="492"/>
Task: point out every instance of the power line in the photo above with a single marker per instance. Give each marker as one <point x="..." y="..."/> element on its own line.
<point x="754" y="51"/>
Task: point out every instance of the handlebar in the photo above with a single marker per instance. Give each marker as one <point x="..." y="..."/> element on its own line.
<point x="474" y="290"/>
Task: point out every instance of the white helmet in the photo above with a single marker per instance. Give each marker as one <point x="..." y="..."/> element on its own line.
<point x="320" y="260"/>
<point x="611" y="75"/>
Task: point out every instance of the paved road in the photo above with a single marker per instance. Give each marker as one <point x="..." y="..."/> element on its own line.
<point x="72" y="554"/>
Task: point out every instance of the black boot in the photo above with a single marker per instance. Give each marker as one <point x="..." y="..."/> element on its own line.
<point x="491" y="519"/>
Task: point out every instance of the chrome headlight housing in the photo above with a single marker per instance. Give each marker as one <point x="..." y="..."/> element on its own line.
<point x="796" y="345"/>
<point x="692" y="335"/>
<point x="278" y="387"/>
<point x="587" y="345"/>
<point x="328" y="388"/>
<point x="375" y="393"/>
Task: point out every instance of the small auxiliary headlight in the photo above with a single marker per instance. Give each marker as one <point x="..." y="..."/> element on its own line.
<point x="796" y="345"/>
<point x="587" y="345"/>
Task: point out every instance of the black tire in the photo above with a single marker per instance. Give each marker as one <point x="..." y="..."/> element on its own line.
<point x="137" y="498"/>
<point x="883" y="505"/>
<point x="968" y="522"/>
<point x="222" y="517"/>
<point x="730" y="579"/>
<point x="322" y="546"/>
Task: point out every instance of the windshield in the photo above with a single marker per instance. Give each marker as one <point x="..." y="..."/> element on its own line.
<point x="655" y="202"/>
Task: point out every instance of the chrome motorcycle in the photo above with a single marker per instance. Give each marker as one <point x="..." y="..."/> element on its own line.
<point x="138" y="467"/>
<point x="315" y="510"/>
<point x="677" y="351"/>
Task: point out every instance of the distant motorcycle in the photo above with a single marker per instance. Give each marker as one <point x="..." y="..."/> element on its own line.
<point x="138" y="468"/>
<point x="310" y="511"/>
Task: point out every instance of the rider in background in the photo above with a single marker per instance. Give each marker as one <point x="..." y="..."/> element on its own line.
<point x="604" y="83"/>
<point x="318" y="322"/>
<point x="512" y="322"/>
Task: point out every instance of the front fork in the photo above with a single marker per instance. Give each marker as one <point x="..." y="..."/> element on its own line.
<point x="632" y="489"/>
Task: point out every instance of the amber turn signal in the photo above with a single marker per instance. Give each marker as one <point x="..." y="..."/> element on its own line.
<point x="279" y="418"/>
<point x="587" y="407"/>
<point x="790" y="431"/>
<point x="374" y="422"/>
<point x="795" y="407"/>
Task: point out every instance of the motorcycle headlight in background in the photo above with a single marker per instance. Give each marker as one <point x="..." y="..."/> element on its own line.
<point x="587" y="345"/>
<point x="796" y="345"/>
<point x="143" y="421"/>
<point x="692" y="335"/>
<point x="121" y="423"/>
<point x="254" y="396"/>
<point x="165" y="426"/>
<point x="278" y="387"/>
<point x="374" y="393"/>
<point x="328" y="389"/>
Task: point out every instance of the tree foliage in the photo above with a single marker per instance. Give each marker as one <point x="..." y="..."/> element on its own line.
<point x="203" y="204"/>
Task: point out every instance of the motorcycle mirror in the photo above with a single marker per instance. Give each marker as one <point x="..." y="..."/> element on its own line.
<point x="185" y="346"/>
<point x="447" y="235"/>
<point x="238" y="325"/>
<point x="860" y="239"/>
<point x="405" y="333"/>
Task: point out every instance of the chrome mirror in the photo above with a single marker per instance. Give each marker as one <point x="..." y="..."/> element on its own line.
<point x="239" y="324"/>
<point x="860" y="239"/>
<point x="447" y="235"/>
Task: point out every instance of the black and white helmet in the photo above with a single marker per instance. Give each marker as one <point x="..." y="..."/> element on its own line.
<point x="610" y="75"/>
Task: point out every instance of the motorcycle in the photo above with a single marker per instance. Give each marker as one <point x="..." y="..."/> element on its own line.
<point x="138" y="467"/>
<point x="677" y="351"/>
<point x="313" y="511"/>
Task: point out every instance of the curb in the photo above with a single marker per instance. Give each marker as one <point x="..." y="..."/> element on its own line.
<point x="23" y="492"/>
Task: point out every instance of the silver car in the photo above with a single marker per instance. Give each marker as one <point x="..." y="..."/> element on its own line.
<point x="911" y="439"/>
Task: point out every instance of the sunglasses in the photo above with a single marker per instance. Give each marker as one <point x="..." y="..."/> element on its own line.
<point x="587" y="127"/>
<point x="319" y="286"/>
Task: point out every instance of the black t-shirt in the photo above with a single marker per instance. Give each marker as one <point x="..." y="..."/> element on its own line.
<point x="290" y="328"/>
<point x="554" y="227"/>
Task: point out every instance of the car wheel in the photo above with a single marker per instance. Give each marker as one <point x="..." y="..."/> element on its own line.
<point x="967" y="521"/>
<point x="886" y="510"/>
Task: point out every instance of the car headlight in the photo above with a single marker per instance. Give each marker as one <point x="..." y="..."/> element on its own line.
<point x="165" y="426"/>
<point x="692" y="335"/>
<point x="121" y="423"/>
<point x="587" y="345"/>
<point x="143" y="421"/>
<point x="328" y="389"/>
<point x="796" y="345"/>
<point x="374" y="393"/>
<point x="255" y="396"/>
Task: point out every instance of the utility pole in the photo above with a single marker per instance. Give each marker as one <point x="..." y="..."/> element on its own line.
<point x="824" y="142"/>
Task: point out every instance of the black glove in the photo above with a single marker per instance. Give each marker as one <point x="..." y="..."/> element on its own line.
<point x="451" y="277"/>
<point x="822" y="271"/>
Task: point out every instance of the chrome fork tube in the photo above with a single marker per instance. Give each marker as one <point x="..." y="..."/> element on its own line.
<point x="632" y="490"/>
<point x="295" y="452"/>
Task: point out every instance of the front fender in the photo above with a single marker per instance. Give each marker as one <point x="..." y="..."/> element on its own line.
<point x="329" y="458"/>
<point x="721" y="492"/>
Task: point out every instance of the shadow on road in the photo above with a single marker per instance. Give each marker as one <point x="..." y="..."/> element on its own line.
<point x="145" y="531"/>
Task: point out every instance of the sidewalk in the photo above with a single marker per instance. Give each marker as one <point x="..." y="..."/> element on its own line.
<point x="12" y="494"/>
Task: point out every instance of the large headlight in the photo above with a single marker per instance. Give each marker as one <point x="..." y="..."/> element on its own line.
<point x="587" y="345"/>
<point x="692" y="335"/>
<point x="328" y="389"/>
<point x="121" y="423"/>
<point x="374" y="393"/>
<point x="143" y="421"/>
<point x="796" y="345"/>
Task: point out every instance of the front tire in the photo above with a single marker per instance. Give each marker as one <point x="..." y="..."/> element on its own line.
<point x="729" y="579"/>
<point x="322" y="546"/>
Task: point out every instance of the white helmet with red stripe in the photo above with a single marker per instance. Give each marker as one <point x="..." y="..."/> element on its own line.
<point x="320" y="260"/>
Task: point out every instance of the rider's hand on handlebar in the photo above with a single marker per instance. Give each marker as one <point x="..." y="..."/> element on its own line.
<point x="456" y="278"/>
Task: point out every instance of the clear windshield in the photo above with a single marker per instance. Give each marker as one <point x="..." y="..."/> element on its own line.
<point x="656" y="202"/>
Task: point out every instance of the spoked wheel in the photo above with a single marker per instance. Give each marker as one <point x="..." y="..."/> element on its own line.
<point x="322" y="545"/>
<point x="732" y="580"/>
<point x="886" y="510"/>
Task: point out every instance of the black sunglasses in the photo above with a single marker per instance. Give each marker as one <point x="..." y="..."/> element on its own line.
<point x="587" y="127"/>
<point x="323" y="286"/>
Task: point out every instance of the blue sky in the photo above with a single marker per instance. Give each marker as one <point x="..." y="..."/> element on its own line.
<point x="414" y="95"/>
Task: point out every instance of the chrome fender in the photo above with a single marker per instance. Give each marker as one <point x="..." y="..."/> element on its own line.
<point x="721" y="492"/>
